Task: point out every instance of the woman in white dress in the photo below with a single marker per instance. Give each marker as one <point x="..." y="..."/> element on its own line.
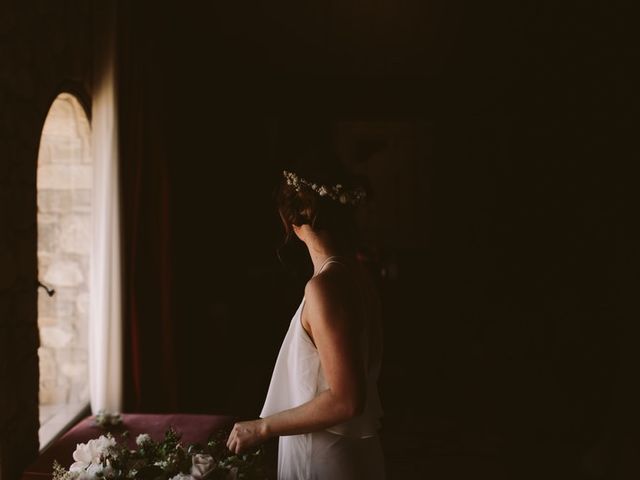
<point x="323" y="401"/>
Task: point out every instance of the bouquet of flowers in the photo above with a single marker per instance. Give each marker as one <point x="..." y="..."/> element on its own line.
<point x="106" y="459"/>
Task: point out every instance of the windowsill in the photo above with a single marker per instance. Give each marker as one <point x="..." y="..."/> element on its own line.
<point x="55" y="420"/>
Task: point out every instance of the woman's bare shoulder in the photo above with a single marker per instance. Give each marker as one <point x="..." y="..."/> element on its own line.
<point x="330" y="281"/>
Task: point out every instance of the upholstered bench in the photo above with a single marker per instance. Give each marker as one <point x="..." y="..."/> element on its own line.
<point x="194" y="429"/>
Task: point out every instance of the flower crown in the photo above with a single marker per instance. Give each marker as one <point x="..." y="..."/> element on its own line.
<point x="335" y="192"/>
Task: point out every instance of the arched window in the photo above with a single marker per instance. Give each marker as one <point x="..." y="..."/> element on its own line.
<point x="64" y="187"/>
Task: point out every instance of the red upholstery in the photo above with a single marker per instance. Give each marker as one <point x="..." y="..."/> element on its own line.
<point x="194" y="429"/>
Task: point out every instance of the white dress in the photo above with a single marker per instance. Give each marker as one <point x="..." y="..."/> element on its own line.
<point x="347" y="451"/>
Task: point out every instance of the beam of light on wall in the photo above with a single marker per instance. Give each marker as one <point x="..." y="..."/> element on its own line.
<point x="105" y="331"/>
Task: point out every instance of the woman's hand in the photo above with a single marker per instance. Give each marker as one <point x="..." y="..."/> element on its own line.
<point x="245" y="435"/>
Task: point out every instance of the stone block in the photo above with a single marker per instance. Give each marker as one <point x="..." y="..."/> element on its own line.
<point x="85" y="263"/>
<point x="61" y="122"/>
<point x="46" y="321"/>
<point x="44" y="152"/>
<point x="79" y="391"/>
<point x="47" y="364"/>
<point x="65" y="306"/>
<point x="64" y="273"/>
<point x="65" y="177"/>
<point x="82" y="201"/>
<point x="48" y="394"/>
<point x="46" y="354"/>
<point x="59" y="308"/>
<point x="44" y="260"/>
<point x="83" y="304"/>
<point x="64" y="201"/>
<point x="82" y="332"/>
<point x="76" y="371"/>
<point x="75" y="234"/>
<point x="63" y="384"/>
<point x="56" y="337"/>
<point x="65" y="151"/>
<point x="45" y="219"/>
<point x="73" y="354"/>
<point x="86" y="154"/>
<point x="48" y="237"/>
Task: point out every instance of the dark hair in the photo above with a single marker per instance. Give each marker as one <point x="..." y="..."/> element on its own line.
<point x="322" y="213"/>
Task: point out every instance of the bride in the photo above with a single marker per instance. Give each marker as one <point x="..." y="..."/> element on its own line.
<point x="323" y="401"/>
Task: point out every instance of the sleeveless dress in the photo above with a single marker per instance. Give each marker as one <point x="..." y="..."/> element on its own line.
<point x="347" y="451"/>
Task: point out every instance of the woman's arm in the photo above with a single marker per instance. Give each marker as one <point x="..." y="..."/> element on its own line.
<point x="332" y="316"/>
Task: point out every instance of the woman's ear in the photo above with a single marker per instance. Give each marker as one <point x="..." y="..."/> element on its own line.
<point x="297" y="230"/>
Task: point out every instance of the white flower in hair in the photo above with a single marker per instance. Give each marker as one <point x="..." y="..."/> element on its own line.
<point x="335" y="192"/>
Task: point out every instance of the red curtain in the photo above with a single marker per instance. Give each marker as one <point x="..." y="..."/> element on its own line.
<point x="149" y="363"/>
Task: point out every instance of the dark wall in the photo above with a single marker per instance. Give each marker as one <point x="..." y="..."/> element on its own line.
<point x="45" y="48"/>
<point x="506" y="326"/>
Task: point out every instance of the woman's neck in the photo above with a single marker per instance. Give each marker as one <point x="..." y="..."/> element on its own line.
<point x="321" y="249"/>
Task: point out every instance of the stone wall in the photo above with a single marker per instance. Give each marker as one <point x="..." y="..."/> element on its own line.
<point x="64" y="241"/>
<point x="45" y="47"/>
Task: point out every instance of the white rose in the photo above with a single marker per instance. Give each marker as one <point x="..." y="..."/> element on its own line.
<point x="142" y="439"/>
<point x="102" y="443"/>
<point x="82" y="456"/>
<point x="92" y="472"/>
<point x="90" y="452"/>
<point x="95" y="470"/>
<point x="201" y="465"/>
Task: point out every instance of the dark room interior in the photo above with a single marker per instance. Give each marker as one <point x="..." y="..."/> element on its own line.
<point x="497" y="141"/>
